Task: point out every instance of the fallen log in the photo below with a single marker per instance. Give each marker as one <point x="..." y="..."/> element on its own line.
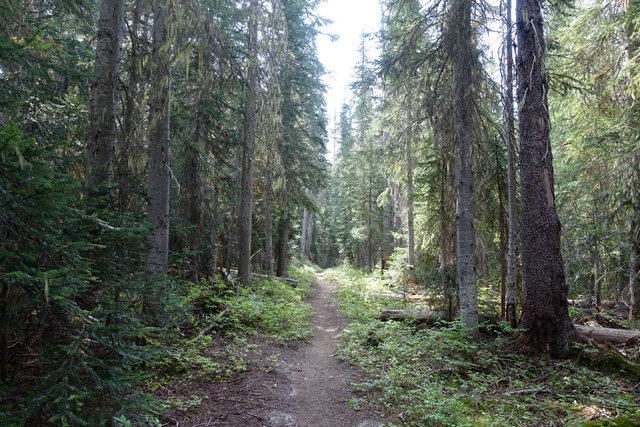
<point x="585" y="303"/>
<point x="598" y="320"/>
<point x="418" y="316"/>
<point x="292" y="282"/>
<point x="400" y="297"/>
<point x="598" y="334"/>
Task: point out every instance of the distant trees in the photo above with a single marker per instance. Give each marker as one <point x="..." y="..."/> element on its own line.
<point x="430" y="97"/>
<point x="402" y="39"/>
<point x="595" y="115"/>
<point x="429" y="84"/>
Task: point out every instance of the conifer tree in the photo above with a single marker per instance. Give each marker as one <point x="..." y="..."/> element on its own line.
<point x="461" y="52"/>
<point x="159" y="161"/>
<point x="545" y="315"/>
<point x="102" y="108"/>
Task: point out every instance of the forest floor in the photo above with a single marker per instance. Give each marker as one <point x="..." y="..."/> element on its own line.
<point x="295" y="384"/>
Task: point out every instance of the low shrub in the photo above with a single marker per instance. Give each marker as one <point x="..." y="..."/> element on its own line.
<point x="441" y="377"/>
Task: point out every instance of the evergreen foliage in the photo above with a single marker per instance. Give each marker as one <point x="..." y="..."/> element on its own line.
<point x="87" y="335"/>
<point x="79" y="345"/>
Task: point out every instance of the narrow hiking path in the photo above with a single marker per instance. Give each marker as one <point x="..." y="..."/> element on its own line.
<point x="295" y="385"/>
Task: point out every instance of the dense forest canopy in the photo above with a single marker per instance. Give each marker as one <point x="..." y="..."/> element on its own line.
<point x="152" y="148"/>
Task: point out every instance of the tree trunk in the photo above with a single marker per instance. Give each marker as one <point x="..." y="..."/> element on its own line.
<point x="502" y="249"/>
<point x="268" y="224"/>
<point x="214" y="229"/>
<point x="387" y="230"/>
<point x="4" y="331"/>
<point x="397" y="217"/>
<point x="633" y="44"/>
<point x="192" y="193"/>
<point x="509" y="137"/>
<point x="411" y="248"/>
<point x="306" y="234"/>
<point x="230" y="256"/>
<point x="462" y="60"/>
<point x="282" y="254"/>
<point x="545" y="315"/>
<point x="159" y="165"/>
<point x="132" y="115"/>
<point x="597" y="267"/>
<point x="634" y="266"/>
<point x="102" y="107"/>
<point x="447" y="251"/>
<point x="369" y="249"/>
<point x="250" y="122"/>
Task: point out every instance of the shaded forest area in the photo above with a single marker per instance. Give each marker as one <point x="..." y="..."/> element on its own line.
<point x="139" y="143"/>
<point x="162" y="161"/>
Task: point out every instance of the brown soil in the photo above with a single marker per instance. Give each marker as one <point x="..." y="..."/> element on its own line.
<point x="294" y="385"/>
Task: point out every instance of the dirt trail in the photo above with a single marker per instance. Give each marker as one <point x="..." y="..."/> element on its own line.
<point x="287" y="386"/>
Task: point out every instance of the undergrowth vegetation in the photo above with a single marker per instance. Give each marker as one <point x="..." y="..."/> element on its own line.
<point x="439" y="377"/>
<point x="208" y="337"/>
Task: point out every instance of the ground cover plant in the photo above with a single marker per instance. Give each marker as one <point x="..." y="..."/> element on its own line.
<point x="228" y="318"/>
<point x="209" y="339"/>
<point x="438" y="376"/>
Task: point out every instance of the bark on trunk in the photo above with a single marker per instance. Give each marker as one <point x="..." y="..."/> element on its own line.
<point x="214" y="230"/>
<point x="369" y="249"/>
<point x="502" y="250"/>
<point x="102" y="108"/>
<point x="283" y="243"/>
<point x="545" y="315"/>
<point x="268" y="225"/>
<point x="230" y="256"/>
<point x="132" y="115"/>
<point x="4" y="332"/>
<point x="250" y="122"/>
<point x="388" y="229"/>
<point x="410" y="229"/>
<point x="159" y="165"/>
<point x="193" y="207"/>
<point x="597" y="267"/>
<point x="509" y="137"/>
<point x="447" y="232"/>
<point x="397" y="217"/>
<point x="307" y="234"/>
<point x="462" y="57"/>
<point x="633" y="43"/>
<point x="634" y="266"/>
